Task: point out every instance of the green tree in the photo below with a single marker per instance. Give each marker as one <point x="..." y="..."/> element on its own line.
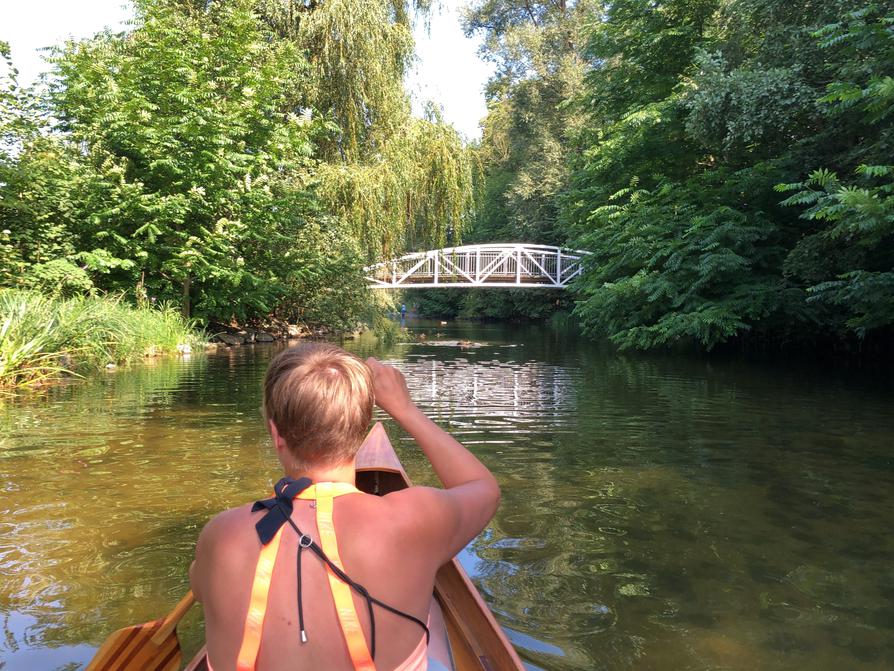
<point x="396" y="181"/>
<point x="537" y="48"/>
<point x="695" y="110"/>
<point x="680" y="264"/>
<point x="526" y="142"/>
<point x="848" y="259"/>
<point x="196" y="170"/>
<point x="34" y="169"/>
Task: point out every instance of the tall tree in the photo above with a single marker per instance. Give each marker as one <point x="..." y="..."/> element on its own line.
<point x="846" y="258"/>
<point x="188" y="173"/>
<point x="527" y="139"/>
<point x="537" y="48"/>
<point x="395" y="180"/>
<point x="696" y="111"/>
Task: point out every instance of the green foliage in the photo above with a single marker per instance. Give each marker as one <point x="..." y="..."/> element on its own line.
<point x="395" y="181"/>
<point x="192" y="157"/>
<point x="855" y="221"/>
<point x="537" y="47"/>
<point x="641" y="48"/>
<point x="19" y="115"/>
<point x="867" y="296"/>
<point x="10" y="261"/>
<point x="491" y="303"/>
<point x="512" y="303"/>
<point x="528" y="134"/>
<point x="677" y="264"/>
<point x="702" y="111"/>
<point x="363" y="93"/>
<point x="864" y="47"/>
<point x="860" y="217"/>
<point x="24" y="341"/>
<point x="417" y="193"/>
<point x="439" y="302"/>
<point x="744" y="111"/>
<point x="239" y="158"/>
<point x="389" y="331"/>
<point x="43" y="338"/>
<point x="325" y="285"/>
<point x="58" y="278"/>
<point x="31" y="168"/>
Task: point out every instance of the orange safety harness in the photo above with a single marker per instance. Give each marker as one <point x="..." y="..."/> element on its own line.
<point x="270" y="528"/>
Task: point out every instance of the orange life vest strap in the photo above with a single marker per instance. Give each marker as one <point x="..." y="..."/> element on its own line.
<point x="341" y="592"/>
<point x="257" y="606"/>
<point x="332" y="489"/>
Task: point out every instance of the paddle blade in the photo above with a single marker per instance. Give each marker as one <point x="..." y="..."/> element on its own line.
<point x="133" y="649"/>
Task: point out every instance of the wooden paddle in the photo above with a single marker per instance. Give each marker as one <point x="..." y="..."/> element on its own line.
<point x="152" y="646"/>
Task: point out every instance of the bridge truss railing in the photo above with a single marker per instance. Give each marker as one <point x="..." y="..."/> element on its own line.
<point x="491" y="265"/>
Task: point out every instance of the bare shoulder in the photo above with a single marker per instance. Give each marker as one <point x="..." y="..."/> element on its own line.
<point x="423" y="511"/>
<point x="442" y="521"/>
<point x="225" y="532"/>
<point x="225" y="522"/>
<point x="414" y="501"/>
<point x="221" y="545"/>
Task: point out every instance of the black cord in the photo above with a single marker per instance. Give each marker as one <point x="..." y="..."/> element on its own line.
<point x="357" y="587"/>
<point x="300" y="600"/>
<point x="372" y="627"/>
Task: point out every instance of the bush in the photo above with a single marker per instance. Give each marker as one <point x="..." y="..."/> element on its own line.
<point x="44" y="338"/>
<point x="58" y="278"/>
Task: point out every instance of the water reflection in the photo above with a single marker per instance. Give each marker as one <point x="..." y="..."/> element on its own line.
<point x="657" y="513"/>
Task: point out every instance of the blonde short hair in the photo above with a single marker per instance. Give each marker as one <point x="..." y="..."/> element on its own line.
<point x="320" y="398"/>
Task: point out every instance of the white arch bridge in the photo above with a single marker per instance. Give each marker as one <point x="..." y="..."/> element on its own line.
<point x="491" y="265"/>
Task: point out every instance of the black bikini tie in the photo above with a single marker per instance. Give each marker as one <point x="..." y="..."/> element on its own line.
<point x="279" y="508"/>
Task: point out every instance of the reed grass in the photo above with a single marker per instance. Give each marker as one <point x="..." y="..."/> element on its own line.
<point x="43" y="339"/>
<point x="389" y="331"/>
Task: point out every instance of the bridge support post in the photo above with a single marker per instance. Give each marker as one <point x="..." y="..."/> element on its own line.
<point x="559" y="268"/>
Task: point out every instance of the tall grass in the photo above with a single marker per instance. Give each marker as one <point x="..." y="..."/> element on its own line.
<point x="389" y="331"/>
<point x="43" y="338"/>
<point x="381" y="305"/>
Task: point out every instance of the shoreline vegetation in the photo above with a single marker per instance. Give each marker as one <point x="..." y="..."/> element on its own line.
<point x="232" y="161"/>
<point x="237" y="163"/>
<point x="727" y="164"/>
<point x="45" y="339"/>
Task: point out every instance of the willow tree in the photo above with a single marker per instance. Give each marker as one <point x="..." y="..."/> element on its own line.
<point x="526" y="144"/>
<point x="418" y="192"/>
<point x="537" y="48"/>
<point x="396" y="181"/>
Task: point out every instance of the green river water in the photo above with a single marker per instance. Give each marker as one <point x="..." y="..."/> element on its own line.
<point x="659" y="513"/>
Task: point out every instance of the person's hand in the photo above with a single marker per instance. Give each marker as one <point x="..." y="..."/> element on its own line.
<point x="390" y="388"/>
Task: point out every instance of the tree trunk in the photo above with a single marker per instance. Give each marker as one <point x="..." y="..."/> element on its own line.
<point x="185" y="305"/>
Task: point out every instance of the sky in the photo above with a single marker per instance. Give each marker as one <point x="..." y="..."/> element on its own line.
<point x="448" y="71"/>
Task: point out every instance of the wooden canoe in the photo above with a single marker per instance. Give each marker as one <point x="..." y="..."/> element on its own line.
<point x="476" y="640"/>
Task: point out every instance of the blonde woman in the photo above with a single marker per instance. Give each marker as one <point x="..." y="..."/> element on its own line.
<point x="261" y="569"/>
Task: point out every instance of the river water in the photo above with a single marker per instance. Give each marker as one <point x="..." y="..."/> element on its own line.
<point x="659" y="512"/>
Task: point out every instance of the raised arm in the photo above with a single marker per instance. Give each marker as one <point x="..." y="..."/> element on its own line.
<point x="458" y="513"/>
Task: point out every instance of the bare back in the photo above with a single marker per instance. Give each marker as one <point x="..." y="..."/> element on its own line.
<point x="392" y="545"/>
<point x="384" y="545"/>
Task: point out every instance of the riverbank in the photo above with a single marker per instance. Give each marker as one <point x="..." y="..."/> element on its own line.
<point x="45" y="339"/>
